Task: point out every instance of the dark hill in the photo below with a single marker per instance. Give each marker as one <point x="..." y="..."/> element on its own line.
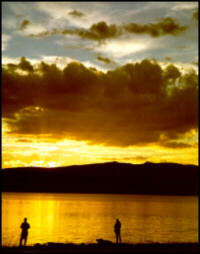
<point x="113" y="177"/>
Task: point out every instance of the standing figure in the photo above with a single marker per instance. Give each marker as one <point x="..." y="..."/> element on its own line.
<point x="24" y="226"/>
<point x="117" y="229"/>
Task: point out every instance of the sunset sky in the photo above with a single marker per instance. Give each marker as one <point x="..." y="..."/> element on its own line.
<point x="91" y="82"/>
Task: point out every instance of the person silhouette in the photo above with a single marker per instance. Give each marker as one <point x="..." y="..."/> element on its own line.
<point x="24" y="226"/>
<point x="117" y="229"/>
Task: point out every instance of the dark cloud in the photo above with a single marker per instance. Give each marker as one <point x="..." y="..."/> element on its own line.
<point x="135" y="104"/>
<point x="195" y="63"/>
<point x="164" y="26"/>
<point x="106" y="60"/>
<point x="12" y="66"/>
<point x="103" y="31"/>
<point x="24" y="24"/>
<point x="196" y="14"/>
<point x="171" y="73"/>
<point x="24" y="140"/>
<point x="176" y="145"/>
<point x="137" y="158"/>
<point x="99" y="31"/>
<point x="25" y="65"/>
<point x="127" y="158"/>
<point x="182" y="47"/>
<point x="168" y="58"/>
<point x="76" y="13"/>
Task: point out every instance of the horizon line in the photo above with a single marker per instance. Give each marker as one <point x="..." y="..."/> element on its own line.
<point x="184" y="164"/>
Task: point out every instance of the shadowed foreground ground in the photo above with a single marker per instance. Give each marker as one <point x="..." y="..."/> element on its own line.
<point x="106" y="247"/>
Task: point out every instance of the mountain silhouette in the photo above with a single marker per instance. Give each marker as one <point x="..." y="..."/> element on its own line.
<point x="111" y="177"/>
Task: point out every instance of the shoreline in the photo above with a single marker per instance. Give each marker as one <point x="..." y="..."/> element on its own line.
<point x="104" y="247"/>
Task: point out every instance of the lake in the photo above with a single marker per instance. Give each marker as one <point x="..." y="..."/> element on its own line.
<point x="83" y="218"/>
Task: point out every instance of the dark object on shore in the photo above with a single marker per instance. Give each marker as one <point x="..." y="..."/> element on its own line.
<point x="109" y="248"/>
<point x="103" y="242"/>
<point x="114" y="177"/>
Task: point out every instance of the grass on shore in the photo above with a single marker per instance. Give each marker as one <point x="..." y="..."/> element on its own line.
<point x="106" y="247"/>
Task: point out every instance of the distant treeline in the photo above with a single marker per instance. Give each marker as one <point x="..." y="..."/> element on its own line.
<point x="113" y="177"/>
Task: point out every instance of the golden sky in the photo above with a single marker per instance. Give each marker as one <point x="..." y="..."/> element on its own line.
<point x="102" y="81"/>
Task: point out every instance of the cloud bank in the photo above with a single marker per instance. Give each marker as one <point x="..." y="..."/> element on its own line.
<point x="135" y="104"/>
<point x="102" y="30"/>
<point x="164" y="26"/>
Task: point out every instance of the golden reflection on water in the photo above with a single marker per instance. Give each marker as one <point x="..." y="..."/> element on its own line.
<point x="82" y="218"/>
<point x="41" y="216"/>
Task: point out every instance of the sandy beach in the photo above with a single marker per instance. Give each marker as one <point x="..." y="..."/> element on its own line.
<point x="106" y="247"/>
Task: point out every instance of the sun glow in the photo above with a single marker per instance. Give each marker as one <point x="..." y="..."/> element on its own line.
<point x="46" y="152"/>
<point x="52" y="164"/>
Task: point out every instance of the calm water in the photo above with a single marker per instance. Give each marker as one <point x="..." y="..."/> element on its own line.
<point x="82" y="218"/>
